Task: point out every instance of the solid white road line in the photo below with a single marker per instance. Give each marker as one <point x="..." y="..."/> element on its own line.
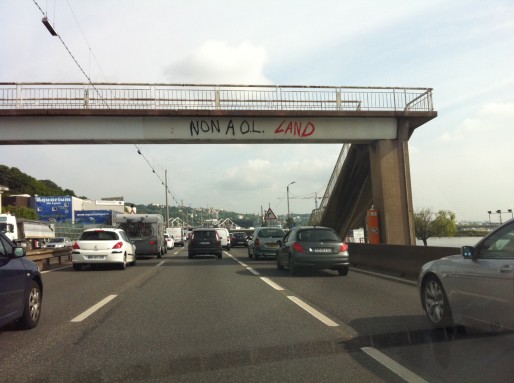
<point x="60" y="268"/>
<point x="94" y="308"/>
<point x="315" y="313"/>
<point x="272" y="284"/>
<point x="395" y="367"/>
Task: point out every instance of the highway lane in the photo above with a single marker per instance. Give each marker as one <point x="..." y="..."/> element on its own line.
<point x="205" y="319"/>
<point x="177" y="319"/>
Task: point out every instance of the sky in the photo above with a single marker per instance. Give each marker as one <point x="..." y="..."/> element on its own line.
<point x="461" y="161"/>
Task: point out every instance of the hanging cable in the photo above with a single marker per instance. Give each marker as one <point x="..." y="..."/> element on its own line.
<point x="51" y="29"/>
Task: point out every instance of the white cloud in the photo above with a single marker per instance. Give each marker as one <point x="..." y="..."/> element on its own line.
<point x="217" y="62"/>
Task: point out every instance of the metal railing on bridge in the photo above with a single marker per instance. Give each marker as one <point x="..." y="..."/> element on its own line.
<point x="136" y="96"/>
<point x="317" y="214"/>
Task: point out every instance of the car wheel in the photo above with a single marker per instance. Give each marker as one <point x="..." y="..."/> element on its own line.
<point x="250" y="255"/>
<point x="219" y="255"/>
<point x="436" y="303"/>
<point x="279" y="265"/>
<point x="32" y="307"/>
<point x="256" y="256"/>
<point x="190" y="256"/>
<point x="123" y="265"/>
<point x="293" y="270"/>
<point x="343" y="271"/>
<point x="77" y="266"/>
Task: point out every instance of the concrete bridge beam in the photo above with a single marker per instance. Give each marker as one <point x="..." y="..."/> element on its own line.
<point x="391" y="188"/>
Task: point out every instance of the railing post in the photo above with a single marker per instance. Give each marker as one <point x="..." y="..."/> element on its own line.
<point x="19" y="99"/>
<point x="86" y="98"/>
<point x="338" y="99"/>
<point x="217" y="99"/>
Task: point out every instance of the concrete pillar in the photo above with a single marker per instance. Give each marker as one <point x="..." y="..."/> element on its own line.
<point x="391" y="188"/>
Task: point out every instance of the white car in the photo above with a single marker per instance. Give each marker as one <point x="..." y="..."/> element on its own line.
<point x="225" y="237"/>
<point x="59" y="242"/>
<point x="103" y="245"/>
<point x="170" y="242"/>
<point x="474" y="288"/>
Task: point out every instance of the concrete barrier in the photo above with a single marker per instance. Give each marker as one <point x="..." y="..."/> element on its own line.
<point x="397" y="260"/>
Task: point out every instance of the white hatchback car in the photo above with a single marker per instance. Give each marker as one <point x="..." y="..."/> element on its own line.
<point x="103" y="245"/>
<point x="170" y="242"/>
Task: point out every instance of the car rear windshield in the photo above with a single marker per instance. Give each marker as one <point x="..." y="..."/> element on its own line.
<point x="318" y="235"/>
<point x="204" y="234"/>
<point x="271" y="233"/>
<point x="99" y="236"/>
<point x="239" y="235"/>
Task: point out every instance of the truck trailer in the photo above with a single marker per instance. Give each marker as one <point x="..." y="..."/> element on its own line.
<point x="146" y="230"/>
<point x="27" y="233"/>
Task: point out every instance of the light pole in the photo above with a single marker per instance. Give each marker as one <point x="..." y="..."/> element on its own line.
<point x="288" y="197"/>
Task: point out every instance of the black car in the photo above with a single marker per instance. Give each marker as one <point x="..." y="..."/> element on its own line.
<point x="205" y="241"/>
<point x="238" y="238"/>
<point x="21" y="287"/>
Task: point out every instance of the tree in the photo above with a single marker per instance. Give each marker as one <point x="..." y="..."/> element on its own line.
<point x="22" y="212"/>
<point x="429" y="224"/>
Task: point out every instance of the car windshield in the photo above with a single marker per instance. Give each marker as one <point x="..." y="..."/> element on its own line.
<point x="56" y="240"/>
<point x="271" y="233"/>
<point x="98" y="236"/>
<point x="318" y="235"/>
<point x="204" y="234"/>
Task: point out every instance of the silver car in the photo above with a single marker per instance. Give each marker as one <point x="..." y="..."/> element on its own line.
<point x="474" y="288"/>
<point x="59" y="242"/>
<point x="265" y="242"/>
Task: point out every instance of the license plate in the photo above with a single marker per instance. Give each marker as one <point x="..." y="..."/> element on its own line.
<point x="204" y="243"/>
<point x="322" y="250"/>
<point x="96" y="257"/>
<point x="272" y="245"/>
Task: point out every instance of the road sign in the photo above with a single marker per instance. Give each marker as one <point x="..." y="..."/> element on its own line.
<point x="269" y="215"/>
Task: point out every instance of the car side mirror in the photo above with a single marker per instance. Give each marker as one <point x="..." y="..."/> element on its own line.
<point x="468" y="252"/>
<point x="19" y="252"/>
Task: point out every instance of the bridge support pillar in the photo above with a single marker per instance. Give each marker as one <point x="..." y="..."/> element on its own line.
<point x="391" y="188"/>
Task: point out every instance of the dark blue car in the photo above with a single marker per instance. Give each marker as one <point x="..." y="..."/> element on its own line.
<point x="21" y="287"/>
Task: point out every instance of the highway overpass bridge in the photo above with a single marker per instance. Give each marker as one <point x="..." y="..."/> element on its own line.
<point x="373" y="123"/>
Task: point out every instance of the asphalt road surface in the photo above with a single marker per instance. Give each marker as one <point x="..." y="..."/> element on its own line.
<point x="239" y="320"/>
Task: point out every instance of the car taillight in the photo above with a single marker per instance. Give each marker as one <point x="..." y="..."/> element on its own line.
<point x="256" y="242"/>
<point x="118" y="245"/>
<point x="76" y="246"/>
<point x="343" y="248"/>
<point x="298" y="247"/>
<point x="153" y="242"/>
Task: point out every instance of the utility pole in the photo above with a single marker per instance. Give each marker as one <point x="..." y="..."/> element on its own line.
<point x="166" y="192"/>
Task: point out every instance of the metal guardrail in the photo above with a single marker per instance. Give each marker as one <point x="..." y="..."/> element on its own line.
<point x="44" y="257"/>
<point x="137" y="96"/>
<point x="316" y="214"/>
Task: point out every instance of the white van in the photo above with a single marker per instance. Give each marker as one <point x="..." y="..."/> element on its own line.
<point x="225" y="237"/>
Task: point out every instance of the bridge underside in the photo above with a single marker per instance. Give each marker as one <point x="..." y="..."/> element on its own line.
<point x="375" y="174"/>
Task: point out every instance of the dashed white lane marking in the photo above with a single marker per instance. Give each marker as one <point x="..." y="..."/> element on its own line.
<point x="395" y="367"/>
<point x="252" y="271"/>
<point x="160" y="264"/>
<point x="94" y="308"/>
<point x="315" y="313"/>
<point x="272" y="284"/>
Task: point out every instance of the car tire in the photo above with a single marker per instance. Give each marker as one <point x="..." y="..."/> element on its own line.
<point x="190" y="256"/>
<point x="250" y="255"/>
<point x="32" y="307"/>
<point x="435" y="303"/>
<point x="123" y="265"/>
<point x="219" y="255"/>
<point x="343" y="271"/>
<point x="279" y="265"/>
<point x="293" y="270"/>
<point x="77" y="266"/>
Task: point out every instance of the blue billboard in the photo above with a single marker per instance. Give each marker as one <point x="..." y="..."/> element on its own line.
<point x="54" y="209"/>
<point x="94" y="217"/>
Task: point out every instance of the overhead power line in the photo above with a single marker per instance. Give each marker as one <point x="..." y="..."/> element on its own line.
<point x="53" y="32"/>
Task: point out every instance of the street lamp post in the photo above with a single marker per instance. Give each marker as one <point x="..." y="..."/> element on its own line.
<point x="288" y="198"/>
